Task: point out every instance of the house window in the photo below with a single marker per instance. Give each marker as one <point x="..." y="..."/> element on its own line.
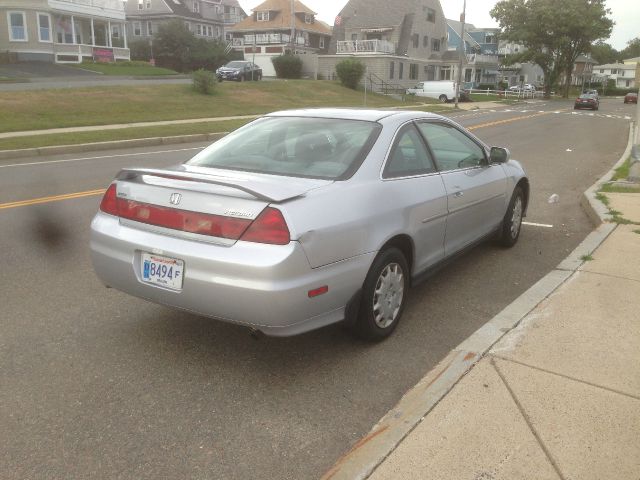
<point x="614" y="71"/>
<point x="148" y="4"/>
<point x="198" y="29"/>
<point x="489" y="39"/>
<point x="308" y="18"/>
<point x="209" y="31"/>
<point x="601" y="70"/>
<point x="400" y="70"/>
<point x="149" y="28"/>
<point x="137" y="29"/>
<point x="413" y="71"/>
<point x="392" y="67"/>
<point x="218" y="33"/>
<point x="354" y="36"/>
<point x="430" y="70"/>
<point x="467" y="74"/>
<point x="435" y="44"/>
<point x="425" y="41"/>
<point x="416" y="40"/>
<point x="321" y="42"/>
<point x="17" y="27"/>
<point x="431" y="15"/>
<point x="445" y="73"/>
<point x="622" y="73"/>
<point x="44" y="27"/>
<point x="262" y="16"/>
<point x="140" y="5"/>
<point x="187" y="25"/>
<point x="115" y="31"/>
<point x="196" y="7"/>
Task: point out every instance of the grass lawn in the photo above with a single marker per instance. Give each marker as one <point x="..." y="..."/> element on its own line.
<point x="119" y="134"/>
<point x="140" y="69"/>
<point x="43" y="109"/>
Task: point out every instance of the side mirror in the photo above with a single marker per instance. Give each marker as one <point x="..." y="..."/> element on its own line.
<point x="499" y="155"/>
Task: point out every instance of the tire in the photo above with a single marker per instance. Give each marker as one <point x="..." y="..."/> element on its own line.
<point x="512" y="222"/>
<point x="384" y="296"/>
<point x="443" y="98"/>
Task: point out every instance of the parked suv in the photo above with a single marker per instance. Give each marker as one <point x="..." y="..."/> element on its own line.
<point x="239" y="70"/>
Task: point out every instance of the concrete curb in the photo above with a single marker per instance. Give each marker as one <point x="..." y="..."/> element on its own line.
<point x="367" y="454"/>
<point x="92" y="147"/>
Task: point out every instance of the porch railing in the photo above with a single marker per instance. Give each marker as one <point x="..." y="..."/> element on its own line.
<point x="365" y="46"/>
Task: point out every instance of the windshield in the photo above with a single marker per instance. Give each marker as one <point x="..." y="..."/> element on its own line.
<point x="293" y="146"/>
<point x="236" y="64"/>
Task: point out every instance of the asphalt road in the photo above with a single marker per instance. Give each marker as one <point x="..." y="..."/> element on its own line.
<point x="96" y="384"/>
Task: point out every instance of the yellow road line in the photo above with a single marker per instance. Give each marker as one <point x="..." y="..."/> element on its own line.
<point x="55" y="198"/>
<point x="508" y="120"/>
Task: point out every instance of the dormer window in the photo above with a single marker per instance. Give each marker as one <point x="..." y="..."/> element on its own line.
<point x="431" y="15"/>
<point x="262" y="16"/>
<point x="308" y="18"/>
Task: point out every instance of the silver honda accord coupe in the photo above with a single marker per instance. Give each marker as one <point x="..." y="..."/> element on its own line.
<point x="305" y="218"/>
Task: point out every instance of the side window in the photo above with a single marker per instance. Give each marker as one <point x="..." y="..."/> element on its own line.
<point x="408" y="156"/>
<point x="451" y="148"/>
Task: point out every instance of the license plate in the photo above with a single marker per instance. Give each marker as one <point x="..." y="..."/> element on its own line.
<point x="162" y="271"/>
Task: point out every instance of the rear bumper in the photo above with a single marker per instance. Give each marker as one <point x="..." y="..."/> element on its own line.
<point x="260" y="286"/>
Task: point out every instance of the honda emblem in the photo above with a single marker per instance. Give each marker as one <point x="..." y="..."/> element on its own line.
<point x="175" y="198"/>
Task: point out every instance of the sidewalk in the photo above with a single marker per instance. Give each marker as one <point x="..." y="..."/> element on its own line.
<point x="547" y="389"/>
<point x="558" y="397"/>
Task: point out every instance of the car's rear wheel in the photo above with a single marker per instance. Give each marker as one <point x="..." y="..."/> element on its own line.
<point x="384" y="296"/>
<point x="512" y="221"/>
<point x="442" y="98"/>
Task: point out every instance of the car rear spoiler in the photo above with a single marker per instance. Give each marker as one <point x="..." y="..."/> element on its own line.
<point x="128" y="174"/>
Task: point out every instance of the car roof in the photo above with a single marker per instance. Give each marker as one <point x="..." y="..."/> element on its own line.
<point x="371" y="115"/>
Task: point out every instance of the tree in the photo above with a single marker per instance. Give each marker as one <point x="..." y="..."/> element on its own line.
<point x="604" y="53"/>
<point x="632" y="50"/>
<point x="554" y="33"/>
<point x="173" y="44"/>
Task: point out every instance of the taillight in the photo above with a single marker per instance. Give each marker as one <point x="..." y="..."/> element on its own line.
<point x="269" y="227"/>
<point x="109" y="203"/>
<point x="184" y="220"/>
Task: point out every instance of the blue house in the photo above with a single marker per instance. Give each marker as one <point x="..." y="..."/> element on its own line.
<point x="481" y="65"/>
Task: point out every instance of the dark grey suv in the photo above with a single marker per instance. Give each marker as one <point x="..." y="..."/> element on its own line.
<point x="239" y="70"/>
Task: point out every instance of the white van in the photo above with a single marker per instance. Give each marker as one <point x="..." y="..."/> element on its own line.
<point x="443" y="90"/>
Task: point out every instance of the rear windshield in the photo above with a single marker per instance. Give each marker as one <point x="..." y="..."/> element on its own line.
<point x="236" y="64"/>
<point x="294" y="146"/>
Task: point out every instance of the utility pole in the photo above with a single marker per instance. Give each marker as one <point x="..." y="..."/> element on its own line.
<point x="462" y="52"/>
<point x="293" y="27"/>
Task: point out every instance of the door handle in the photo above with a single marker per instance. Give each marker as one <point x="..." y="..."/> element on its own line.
<point x="458" y="194"/>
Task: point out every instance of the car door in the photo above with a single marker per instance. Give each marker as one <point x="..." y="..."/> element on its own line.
<point x="475" y="188"/>
<point x="414" y="189"/>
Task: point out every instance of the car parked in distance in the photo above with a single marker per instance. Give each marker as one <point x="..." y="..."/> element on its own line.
<point x="527" y="87"/>
<point x="308" y="217"/>
<point x="586" y="101"/>
<point x="239" y="70"/>
<point x="443" y="90"/>
<point x="631" y="98"/>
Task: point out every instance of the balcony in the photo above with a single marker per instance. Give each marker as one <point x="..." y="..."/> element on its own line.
<point x="268" y="39"/>
<point x="359" y="47"/>
<point x="112" y="9"/>
<point x="231" y="19"/>
<point x="478" y="58"/>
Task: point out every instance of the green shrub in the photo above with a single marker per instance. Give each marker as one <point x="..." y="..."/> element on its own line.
<point x="204" y="81"/>
<point x="140" y="50"/>
<point x="287" y="66"/>
<point x="350" y="72"/>
<point x="486" y="86"/>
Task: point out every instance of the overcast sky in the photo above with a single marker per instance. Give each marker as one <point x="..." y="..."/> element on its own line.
<point x="625" y="13"/>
